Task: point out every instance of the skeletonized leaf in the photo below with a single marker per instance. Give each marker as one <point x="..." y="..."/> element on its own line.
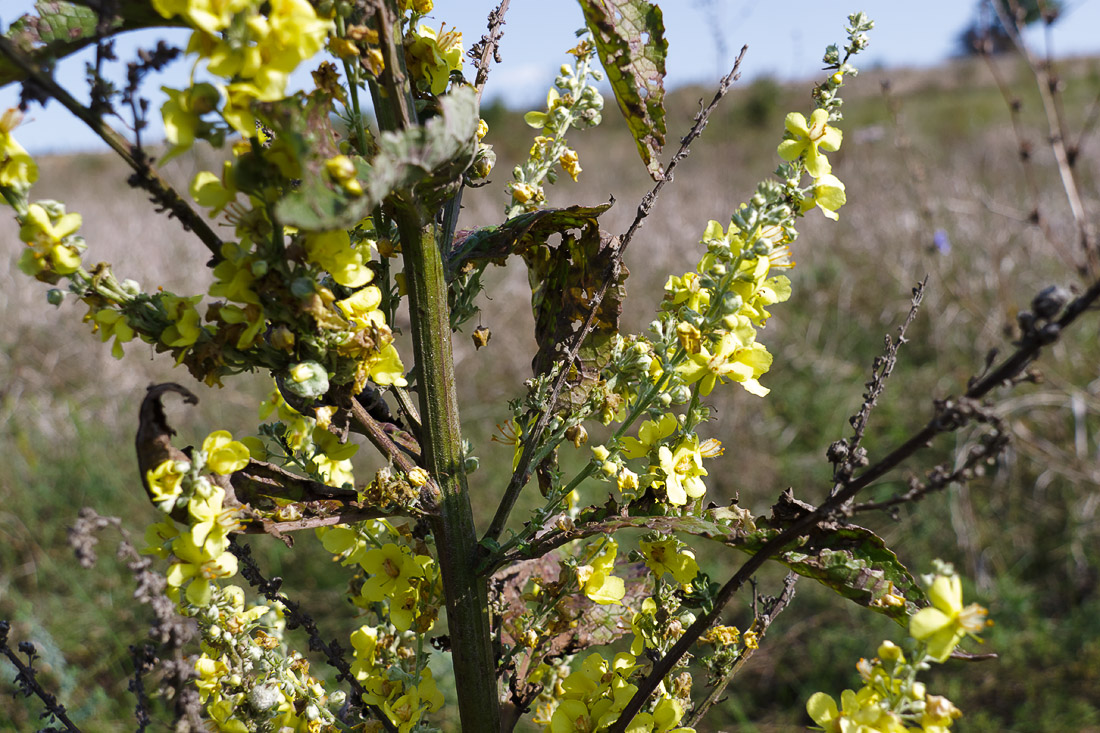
<point x="630" y="39"/>
<point x="564" y="278"/>
<point x="516" y="235"/>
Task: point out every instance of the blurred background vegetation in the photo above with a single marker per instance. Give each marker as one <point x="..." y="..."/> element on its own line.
<point x="936" y="187"/>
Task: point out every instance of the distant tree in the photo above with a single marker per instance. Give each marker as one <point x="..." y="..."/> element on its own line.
<point x="986" y="32"/>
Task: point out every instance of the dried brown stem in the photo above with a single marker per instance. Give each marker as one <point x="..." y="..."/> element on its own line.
<point x="488" y="48"/>
<point x="761" y="624"/>
<point x="145" y="175"/>
<point x="1057" y="137"/>
<point x="847" y="455"/>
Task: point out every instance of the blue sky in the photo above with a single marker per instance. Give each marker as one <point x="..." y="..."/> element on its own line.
<point x="785" y="39"/>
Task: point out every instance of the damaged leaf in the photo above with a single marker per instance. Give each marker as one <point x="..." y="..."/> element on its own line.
<point x="427" y="161"/>
<point x="61" y="28"/>
<point x="630" y="39"/>
<point x="851" y="560"/>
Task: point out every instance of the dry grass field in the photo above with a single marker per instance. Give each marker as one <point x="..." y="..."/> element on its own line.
<point x="938" y="154"/>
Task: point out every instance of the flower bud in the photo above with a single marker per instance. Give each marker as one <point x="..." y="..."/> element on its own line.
<point x="307" y="379"/>
<point x="264" y="697"/>
<point x="680" y="394"/>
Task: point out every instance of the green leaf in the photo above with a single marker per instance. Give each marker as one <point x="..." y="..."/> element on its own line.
<point x="851" y="560"/>
<point x="424" y="164"/>
<point x="61" y="28"/>
<point x="630" y="39"/>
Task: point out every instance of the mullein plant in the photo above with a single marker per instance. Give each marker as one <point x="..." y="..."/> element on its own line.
<point x="305" y="289"/>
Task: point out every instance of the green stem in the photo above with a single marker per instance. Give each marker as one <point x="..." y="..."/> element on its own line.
<point x="456" y="537"/>
<point x="472" y="655"/>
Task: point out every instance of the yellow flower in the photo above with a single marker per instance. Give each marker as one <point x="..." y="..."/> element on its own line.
<point x="233" y="276"/>
<point x="215" y="193"/>
<point x="198" y="566"/>
<point x="682" y="469"/>
<point x="46" y="229"/>
<point x="596" y="579"/>
<point x="210" y="16"/>
<point x="859" y="712"/>
<point x="333" y="252"/>
<point x="185" y="328"/>
<point x="827" y="194"/>
<point x="737" y="357"/>
<point x="688" y="291"/>
<point x="943" y="625"/>
<point x="158" y="538"/>
<point x="17" y="168"/>
<point x="570" y="163"/>
<point x="386" y="367"/>
<point x="183" y="112"/>
<point x="808" y="139"/>
<point x="223" y="454"/>
<point x="432" y="55"/>
<point x="295" y="34"/>
<point x="165" y="484"/>
<point x="211" y="522"/>
<point x="649" y="435"/>
<point x="112" y="323"/>
<point x="757" y="292"/>
<point x="666" y="556"/>
<point x="391" y="568"/>
<point x="333" y="460"/>
<point x="364" y="640"/>
<point x="361" y="308"/>
<point x="524" y="192"/>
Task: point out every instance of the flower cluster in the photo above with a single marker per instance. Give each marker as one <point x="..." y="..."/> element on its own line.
<point x="891" y="699"/>
<point x="246" y="676"/>
<point x="706" y="333"/>
<point x="400" y="586"/>
<point x="254" y="51"/>
<point x="573" y="101"/>
<point x="595" y="693"/>
<point x="181" y="488"/>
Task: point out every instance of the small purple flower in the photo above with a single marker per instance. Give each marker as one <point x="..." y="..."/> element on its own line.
<point x="941" y="242"/>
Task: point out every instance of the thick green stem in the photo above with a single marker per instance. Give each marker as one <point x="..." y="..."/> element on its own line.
<point x="441" y="436"/>
<point x="455" y="534"/>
